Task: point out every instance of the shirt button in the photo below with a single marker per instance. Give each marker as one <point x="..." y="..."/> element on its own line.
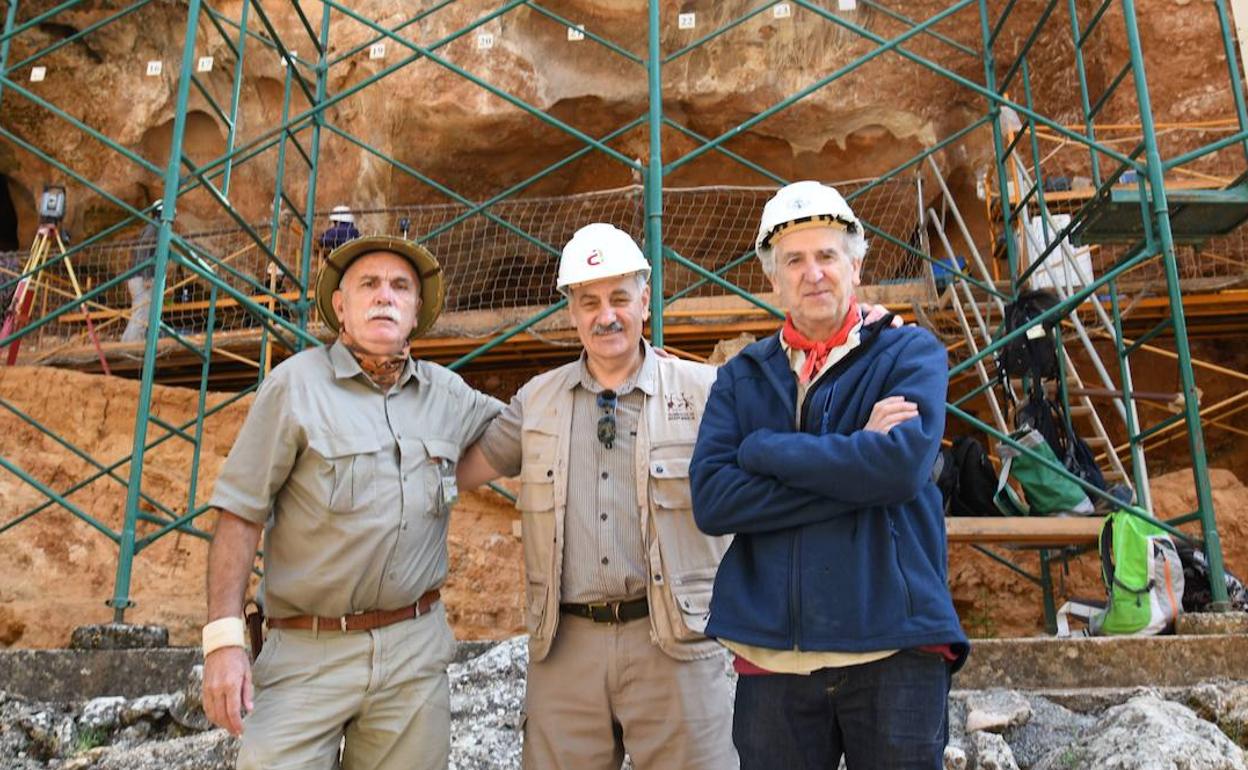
<point x="604" y="474"/>
<point x="658" y="469"/>
<point x="549" y="474"/>
<point x="605" y="560"/>
<point x="403" y="525"/>
<point x="658" y="578"/>
<point x="604" y="516"/>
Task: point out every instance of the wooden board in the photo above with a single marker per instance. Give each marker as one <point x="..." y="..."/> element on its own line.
<point x="1024" y="530"/>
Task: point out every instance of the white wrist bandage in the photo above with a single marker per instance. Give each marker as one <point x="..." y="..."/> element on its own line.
<point x="224" y="632"/>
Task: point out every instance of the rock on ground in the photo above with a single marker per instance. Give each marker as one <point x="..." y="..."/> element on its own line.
<point x="1148" y="733"/>
<point x="991" y="752"/>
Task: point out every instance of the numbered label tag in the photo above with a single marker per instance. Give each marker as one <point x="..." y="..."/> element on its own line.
<point x="485" y="41"/>
<point x="291" y="57"/>
<point x="687" y="20"/>
<point x="154" y="68"/>
<point x="847" y="5"/>
<point x="377" y="51"/>
<point x="576" y="33"/>
<point x="204" y="64"/>
<point x="37" y="74"/>
<point x="782" y="10"/>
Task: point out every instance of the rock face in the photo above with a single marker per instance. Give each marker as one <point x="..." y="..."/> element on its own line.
<point x="460" y="134"/>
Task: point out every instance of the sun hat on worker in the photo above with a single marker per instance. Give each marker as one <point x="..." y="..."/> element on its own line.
<point x="426" y="266"/>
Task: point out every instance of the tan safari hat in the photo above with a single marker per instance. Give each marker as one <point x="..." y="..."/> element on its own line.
<point x="432" y="288"/>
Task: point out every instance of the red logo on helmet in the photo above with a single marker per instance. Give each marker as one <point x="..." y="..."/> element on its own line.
<point x="594" y="259"/>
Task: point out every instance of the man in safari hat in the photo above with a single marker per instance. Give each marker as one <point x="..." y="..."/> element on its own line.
<point x="346" y="462"/>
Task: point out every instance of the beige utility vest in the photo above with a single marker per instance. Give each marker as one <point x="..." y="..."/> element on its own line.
<point x="682" y="560"/>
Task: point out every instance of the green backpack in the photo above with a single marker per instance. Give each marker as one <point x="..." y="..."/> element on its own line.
<point x="1143" y="576"/>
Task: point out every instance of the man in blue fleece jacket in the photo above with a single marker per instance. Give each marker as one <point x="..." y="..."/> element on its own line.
<point x="815" y="451"/>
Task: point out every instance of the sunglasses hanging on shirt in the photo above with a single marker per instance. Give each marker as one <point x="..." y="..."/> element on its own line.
<point x="606" y="423"/>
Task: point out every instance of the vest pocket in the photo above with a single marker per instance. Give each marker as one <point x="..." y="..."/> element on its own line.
<point x="535" y="597"/>
<point x="692" y="595"/>
<point x="669" y="483"/>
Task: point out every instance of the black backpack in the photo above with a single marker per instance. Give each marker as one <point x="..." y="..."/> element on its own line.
<point x="966" y="479"/>
<point x="1030" y="355"/>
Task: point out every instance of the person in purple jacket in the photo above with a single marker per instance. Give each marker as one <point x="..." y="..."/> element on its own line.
<point x="816" y="451"/>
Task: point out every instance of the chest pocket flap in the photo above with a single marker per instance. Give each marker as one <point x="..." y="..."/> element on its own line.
<point x="670" y="485"/>
<point x="349" y="468"/>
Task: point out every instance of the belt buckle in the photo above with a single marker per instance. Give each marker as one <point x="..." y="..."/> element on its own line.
<point x="342" y="620"/>
<point x="613" y="607"/>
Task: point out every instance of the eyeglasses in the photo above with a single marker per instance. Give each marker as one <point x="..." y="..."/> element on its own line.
<point x="606" y="423"/>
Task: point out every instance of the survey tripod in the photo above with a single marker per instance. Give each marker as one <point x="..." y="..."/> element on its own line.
<point x="17" y="314"/>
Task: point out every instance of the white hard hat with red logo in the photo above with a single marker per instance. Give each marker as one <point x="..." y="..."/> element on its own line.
<point x="599" y="251"/>
<point x="803" y="204"/>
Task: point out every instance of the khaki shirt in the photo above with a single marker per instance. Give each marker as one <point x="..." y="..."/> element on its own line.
<point x="348" y="480"/>
<point x="604" y="551"/>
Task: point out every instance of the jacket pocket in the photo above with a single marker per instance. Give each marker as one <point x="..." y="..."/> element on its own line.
<point x="901" y="570"/>
<point x="349" y="470"/>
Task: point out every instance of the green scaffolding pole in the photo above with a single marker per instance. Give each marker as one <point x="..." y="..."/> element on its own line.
<point x="1187" y="378"/>
<point x="125" y="557"/>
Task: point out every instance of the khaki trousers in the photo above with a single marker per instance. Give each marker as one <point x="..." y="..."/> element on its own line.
<point x="606" y="688"/>
<point x="384" y="690"/>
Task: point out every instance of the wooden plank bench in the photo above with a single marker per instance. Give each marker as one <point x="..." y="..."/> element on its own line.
<point x="1025" y="531"/>
<point x="1040" y="533"/>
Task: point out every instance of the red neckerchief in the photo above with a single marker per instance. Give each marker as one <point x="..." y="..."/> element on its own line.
<point x="817" y="352"/>
<point x="383" y="369"/>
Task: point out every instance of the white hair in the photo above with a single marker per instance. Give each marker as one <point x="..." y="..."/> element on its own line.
<point x="855" y="248"/>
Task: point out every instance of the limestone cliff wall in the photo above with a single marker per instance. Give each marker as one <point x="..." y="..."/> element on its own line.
<point x="457" y="133"/>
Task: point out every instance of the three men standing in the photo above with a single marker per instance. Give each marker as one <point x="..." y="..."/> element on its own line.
<point x="619" y="578"/>
<point x="816" y="451"/>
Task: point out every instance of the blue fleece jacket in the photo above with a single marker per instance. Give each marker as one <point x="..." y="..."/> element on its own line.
<point x="840" y="538"/>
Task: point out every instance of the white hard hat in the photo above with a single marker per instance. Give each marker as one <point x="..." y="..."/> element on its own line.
<point x="341" y="214"/>
<point x="599" y="251"/>
<point x="800" y="203"/>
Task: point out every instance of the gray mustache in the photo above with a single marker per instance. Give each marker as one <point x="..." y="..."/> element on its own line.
<point x="611" y="328"/>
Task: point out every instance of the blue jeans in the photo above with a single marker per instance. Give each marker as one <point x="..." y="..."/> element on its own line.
<point x="891" y="714"/>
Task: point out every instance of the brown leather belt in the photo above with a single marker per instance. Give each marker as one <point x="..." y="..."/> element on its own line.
<point x="359" y="621"/>
<point x="609" y="612"/>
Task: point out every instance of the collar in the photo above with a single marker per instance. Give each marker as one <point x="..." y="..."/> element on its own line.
<point x="346" y="367"/>
<point x="646" y="378"/>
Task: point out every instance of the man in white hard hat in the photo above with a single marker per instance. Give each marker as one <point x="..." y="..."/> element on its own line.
<point x="346" y="462"/>
<point x="816" y="451"/>
<point x="341" y="228"/>
<point x="618" y="576"/>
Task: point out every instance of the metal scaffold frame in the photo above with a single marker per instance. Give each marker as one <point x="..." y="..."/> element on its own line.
<point x="1142" y="214"/>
